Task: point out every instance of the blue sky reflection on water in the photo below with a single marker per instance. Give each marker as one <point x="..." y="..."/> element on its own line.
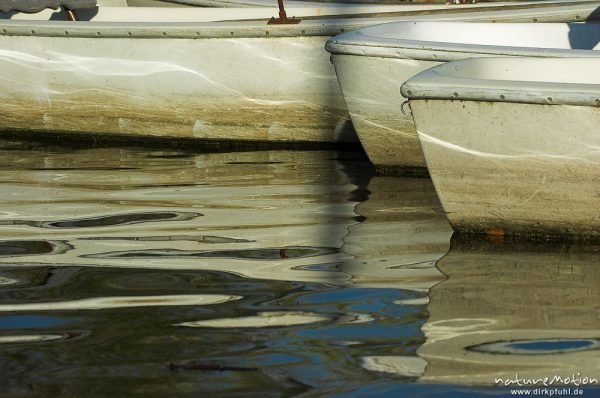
<point x="30" y="322"/>
<point x="537" y="346"/>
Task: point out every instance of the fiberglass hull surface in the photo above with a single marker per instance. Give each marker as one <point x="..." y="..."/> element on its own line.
<point x="220" y="81"/>
<point x="522" y="168"/>
<point x="371" y="67"/>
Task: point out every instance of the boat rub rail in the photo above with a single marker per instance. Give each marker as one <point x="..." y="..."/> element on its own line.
<point x="455" y="81"/>
<point x="173" y="30"/>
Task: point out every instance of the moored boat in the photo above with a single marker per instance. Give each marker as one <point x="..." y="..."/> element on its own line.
<point x="207" y="11"/>
<point x="246" y="81"/>
<point x="511" y="144"/>
<point x="371" y="64"/>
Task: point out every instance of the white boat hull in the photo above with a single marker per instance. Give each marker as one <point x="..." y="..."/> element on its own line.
<point x="215" y="81"/>
<point x="120" y="12"/>
<point x="374" y="105"/>
<point x="373" y="62"/>
<point x="512" y="145"/>
<point x="522" y="168"/>
<point x="247" y="89"/>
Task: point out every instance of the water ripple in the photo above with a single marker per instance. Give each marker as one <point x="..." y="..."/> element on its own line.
<point x="261" y="320"/>
<point x="98" y="303"/>
<point x="290" y="252"/>
<point x="11" y="248"/>
<point x="109" y="220"/>
<point x="538" y="347"/>
<point x="41" y="337"/>
<point x="199" y="238"/>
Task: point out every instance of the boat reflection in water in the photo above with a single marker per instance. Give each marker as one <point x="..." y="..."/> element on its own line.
<point x="277" y="215"/>
<point x="165" y="272"/>
<point x="403" y="234"/>
<point x="509" y="311"/>
<point x="283" y="273"/>
<point x="264" y="214"/>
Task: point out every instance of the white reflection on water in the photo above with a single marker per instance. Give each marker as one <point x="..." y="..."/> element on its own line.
<point x="261" y="320"/>
<point x="98" y="303"/>
<point x="454" y="327"/>
<point x="8" y="281"/>
<point x="30" y="338"/>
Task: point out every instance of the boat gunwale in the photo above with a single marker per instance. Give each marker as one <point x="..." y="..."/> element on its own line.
<point x="434" y="84"/>
<point x="448" y="54"/>
<point x="172" y="30"/>
<point x="360" y="44"/>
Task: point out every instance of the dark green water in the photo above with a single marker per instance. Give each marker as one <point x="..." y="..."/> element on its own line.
<point x="138" y="272"/>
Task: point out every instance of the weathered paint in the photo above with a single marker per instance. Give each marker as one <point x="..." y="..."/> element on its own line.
<point x="372" y="63"/>
<point x="236" y="80"/>
<point x="387" y="135"/>
<point x="179" y="88"/>
<point x="528" y="169"/>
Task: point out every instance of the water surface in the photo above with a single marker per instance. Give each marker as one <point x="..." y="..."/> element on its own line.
<point x="140" y="272"/>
